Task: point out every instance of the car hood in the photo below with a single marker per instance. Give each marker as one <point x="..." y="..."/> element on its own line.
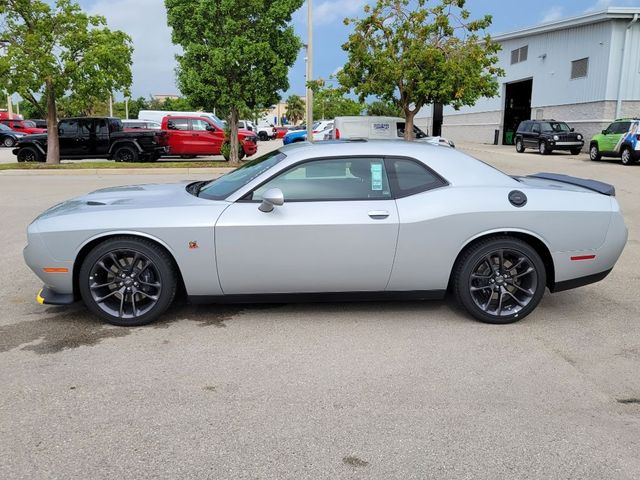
<point x="34" y="137"/>
<point x="131" y="197"/>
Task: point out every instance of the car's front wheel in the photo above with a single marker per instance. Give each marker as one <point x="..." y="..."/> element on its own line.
<point x="8" y="142"/>
<point x="594" y="153"/>
<point x="627" y="157"/>
<point x="543" y="148"/>
<point x="263" y="136"/>
<point x="519" y="145"/>
<point x="499" y="280"/>
<point x="29" y="154"/>
<point x="128" y="281"/>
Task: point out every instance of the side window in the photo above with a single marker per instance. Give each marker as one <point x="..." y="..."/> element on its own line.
<point x="87" y="127"/>
<point x="68" y="127"/>
<point x="535" y="128"/>
<point x="622" y="127"/>
<point x="335" y="179"/>
<point x="525" y="127"/>
<point x="178" y="124"/>
<point x="409" y="177"/>
<point x="199" y="125"/>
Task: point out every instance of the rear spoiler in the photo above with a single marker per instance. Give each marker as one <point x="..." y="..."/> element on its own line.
<point x="587" y="183"/>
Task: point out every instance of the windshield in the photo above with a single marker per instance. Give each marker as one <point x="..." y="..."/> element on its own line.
<point x="222" y="187"/>
<point x="217" y="122"/>
<point x="29" y="124"/>
<point x="4" y="128"/>
<point x="554" y="127"/>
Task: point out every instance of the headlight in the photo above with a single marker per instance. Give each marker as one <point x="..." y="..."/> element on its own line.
<point x="556" y="138"/>
<point x="579" y="137"/>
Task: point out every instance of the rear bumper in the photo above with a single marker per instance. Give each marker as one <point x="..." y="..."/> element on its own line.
<point x="579" y="282"/>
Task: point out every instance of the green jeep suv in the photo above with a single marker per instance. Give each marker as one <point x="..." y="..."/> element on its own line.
<point x="620" y="139"/>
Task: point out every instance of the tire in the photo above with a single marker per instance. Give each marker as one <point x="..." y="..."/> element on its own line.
<point x="241" y="153"/>
<point x="126" y="153"/>
<point x="543" y="148"/>
<point x="522" y="276"/>
<point x="263" y="136"/>
<point x="627" y="156"/>
<point x="594" y="152"/>
<point x="519" y="145"/>
<point x="149" y="272"/>
<point x="9" y="142"/>
<point x="30" y="154"/>
<point x="575" y="151"/>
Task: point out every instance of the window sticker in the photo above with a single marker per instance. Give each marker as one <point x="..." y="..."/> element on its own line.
<point x="376" y="177"/>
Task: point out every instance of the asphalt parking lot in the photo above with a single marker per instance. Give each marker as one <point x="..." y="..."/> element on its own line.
<point x="344" y="391"/>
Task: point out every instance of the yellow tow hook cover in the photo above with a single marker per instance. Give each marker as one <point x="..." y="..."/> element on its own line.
<point x="39" y="298"/>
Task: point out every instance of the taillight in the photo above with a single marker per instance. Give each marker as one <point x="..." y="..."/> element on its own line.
<point x="337" y="134"/>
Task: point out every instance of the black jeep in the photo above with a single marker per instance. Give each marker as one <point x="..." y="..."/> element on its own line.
<point x="546" y="136"/>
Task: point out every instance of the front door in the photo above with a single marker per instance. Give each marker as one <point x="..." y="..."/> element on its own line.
<point x="336" y="232"/>
<point x="206" y="141"/>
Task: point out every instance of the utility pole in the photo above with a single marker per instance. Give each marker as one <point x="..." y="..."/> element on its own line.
<point x="111" y="105"/>
<point x="126" y="108"/>
<point x="309" y="70"/>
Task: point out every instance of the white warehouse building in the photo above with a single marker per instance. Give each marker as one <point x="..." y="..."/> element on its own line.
<point x="583" y="70"/>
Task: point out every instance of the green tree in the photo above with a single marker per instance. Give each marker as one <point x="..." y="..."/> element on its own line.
<point x="413" y="55"/>
<point x="331" y="102"/>
<point x="384" y="108"/>
<point x="52" y="50"/>
<point x="295" y="109"/>
<point x="236" y="53"/>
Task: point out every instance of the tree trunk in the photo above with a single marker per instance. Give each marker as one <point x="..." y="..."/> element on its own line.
<point x="233" y="141"/>
<point x="53" y="143"/>
<point x="408" y="125"/>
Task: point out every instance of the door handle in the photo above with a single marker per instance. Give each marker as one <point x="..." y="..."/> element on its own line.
<point x="195" y="135"/>
<point x="378" y="214"/>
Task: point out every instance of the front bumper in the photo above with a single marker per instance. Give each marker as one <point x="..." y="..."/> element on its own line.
<point x="560" y="145"/>
<point x="249" y="148"/>
<point x="48" y="296"/>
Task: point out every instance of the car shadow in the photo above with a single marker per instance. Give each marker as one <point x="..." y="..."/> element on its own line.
<point x="70" y="327"/>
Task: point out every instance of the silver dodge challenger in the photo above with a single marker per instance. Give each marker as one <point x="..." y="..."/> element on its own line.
<point x="332" y="221"/>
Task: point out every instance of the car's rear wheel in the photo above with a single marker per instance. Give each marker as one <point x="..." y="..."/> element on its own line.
<point x="8" y="142"/>
<point x="627" y="157"/>
<point x="30" y="154"/>
<point x="543" y="148"/>
<point x="499" y="280"/>
<point x="128" y="281"/>
<point x="519" y="145"/>
<point x="594" y="153"/>
<point x="575" y="151"/>
<point x="125" y="153"/>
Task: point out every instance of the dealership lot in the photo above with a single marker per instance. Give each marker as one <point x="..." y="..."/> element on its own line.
<point x="356" y="390"/>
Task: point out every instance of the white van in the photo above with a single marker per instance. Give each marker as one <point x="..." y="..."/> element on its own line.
<point x="378" y="128"/>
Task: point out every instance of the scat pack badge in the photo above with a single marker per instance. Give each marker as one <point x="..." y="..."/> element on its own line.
<point x="193" y="245"/>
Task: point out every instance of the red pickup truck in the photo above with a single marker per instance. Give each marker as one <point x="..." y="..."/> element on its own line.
<point x="191" y="135"/>
<point x="24" y="126"/>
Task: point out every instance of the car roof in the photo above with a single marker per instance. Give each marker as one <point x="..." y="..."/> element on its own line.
<point x="456" y="167"/>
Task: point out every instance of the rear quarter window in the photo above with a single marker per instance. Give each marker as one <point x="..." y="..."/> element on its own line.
<point x="409" y="177"/>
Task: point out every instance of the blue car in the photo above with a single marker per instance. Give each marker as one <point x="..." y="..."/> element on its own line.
<point x="295" y="136"/>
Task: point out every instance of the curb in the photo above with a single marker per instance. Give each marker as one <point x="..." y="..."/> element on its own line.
<point x="119" y="171"/>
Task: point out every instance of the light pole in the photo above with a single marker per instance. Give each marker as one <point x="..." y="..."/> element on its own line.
<point x="309" y="70"/>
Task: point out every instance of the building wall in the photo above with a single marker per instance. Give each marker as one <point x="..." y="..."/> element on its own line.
<point x="588" y="104"/>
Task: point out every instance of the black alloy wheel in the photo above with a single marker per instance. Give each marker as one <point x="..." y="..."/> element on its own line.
<point x="128" y="281"/>
<point x="125" y="154"/>
<point x="500" y="280"/>
<point x="29" y="154"/>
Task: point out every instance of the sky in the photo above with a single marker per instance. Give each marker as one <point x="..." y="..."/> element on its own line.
<point x="154" y="64"/>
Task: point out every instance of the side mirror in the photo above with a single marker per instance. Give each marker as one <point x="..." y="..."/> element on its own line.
<point x="573" y="129"/>
<point x="604" y="132"/>
<point x="211" y="128"/>
<point x="271" y="198"/>
<point x="171" y="125"/>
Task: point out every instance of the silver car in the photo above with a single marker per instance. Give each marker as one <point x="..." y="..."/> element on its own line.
<point x="332" y="221"/>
